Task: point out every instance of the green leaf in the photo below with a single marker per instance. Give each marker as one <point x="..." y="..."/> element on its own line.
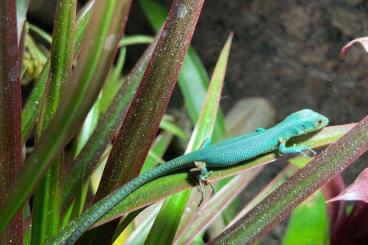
<point x="125" y="227"/>
<point x="113" y="82"/>
<point x="155" y="13"/>
<point x="214" y="207"/>
<point x="47" y="198"/>
<point x="154" y="157"/>
<point x="140" y="126"/>
<point x="86" y="162"/>
<point x="83" y="18"/>
<point x="168" y="125"/>
<point x="32" y="106"/>
<point x="22" y="7"/>
<point x="328" y="135"/>
<point x="276" y="206"/>
<point x="82" y="89"/>
<point x="41" y="33"/>
<point x="308" y="224"/>
<point x="149" y="103"/>
<point x="88" y="128"/>
<point x="193" y="78"/>
<point x="33" y="60"/>
<point x="10" y="117"/>
<point x="89" y="158"/>
<point x="141" y="231"/>
<point x="245" y="116"/>
<point x="280" y="178"/>
<point x="172" y="210"/>
<point x="165" y="186"/>
<point x="168" y="185"/>
<point x="157" y="151"/>
<point x="135" y="39"/>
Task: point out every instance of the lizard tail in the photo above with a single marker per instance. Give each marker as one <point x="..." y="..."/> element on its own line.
<point x="93" y="214"/>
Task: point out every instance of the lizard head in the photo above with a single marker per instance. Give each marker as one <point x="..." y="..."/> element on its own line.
<point x="306" y="120"/>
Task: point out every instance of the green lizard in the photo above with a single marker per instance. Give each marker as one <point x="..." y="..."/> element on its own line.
<point x="226" y="153"/>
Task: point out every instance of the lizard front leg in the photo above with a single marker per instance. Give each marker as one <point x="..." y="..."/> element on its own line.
<point x="283" y="149"/>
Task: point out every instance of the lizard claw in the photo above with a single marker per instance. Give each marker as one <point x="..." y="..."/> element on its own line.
<point x="294" y="149"/>
<point x="200" y="187"/>
<point x="304" y="154"/>
<point x="309" y="150"/>
<point x="313" y="151"/>
<point x="201" y="174"/>
<point x="201" y="191"/>
<point x="207" y="182"/>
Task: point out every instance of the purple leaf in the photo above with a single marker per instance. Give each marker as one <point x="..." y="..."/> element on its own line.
<point x="10" y="116"/>
<point x="358" y="191"/>
<point x="336" y="210"/>
<point x="353" y="229"/>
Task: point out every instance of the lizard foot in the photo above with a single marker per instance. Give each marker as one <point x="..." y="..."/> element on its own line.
<point x="295" y="149"/>
<point x="305" y="151"/>
<point x="201" y="174"/>
<point x="207" y="182"/>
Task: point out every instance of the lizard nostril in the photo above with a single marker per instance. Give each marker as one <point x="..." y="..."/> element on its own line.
<point x="320" y="121"/>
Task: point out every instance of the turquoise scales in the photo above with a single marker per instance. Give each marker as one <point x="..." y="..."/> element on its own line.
<point x="223" y="154"/>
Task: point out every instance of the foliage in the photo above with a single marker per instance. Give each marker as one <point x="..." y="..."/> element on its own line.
<point x="88" y="126"/>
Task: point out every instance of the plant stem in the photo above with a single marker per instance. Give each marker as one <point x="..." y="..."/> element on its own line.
<point x="10" y="115"/>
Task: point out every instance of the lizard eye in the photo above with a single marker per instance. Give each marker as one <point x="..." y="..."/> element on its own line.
<point x="320" y="121"/>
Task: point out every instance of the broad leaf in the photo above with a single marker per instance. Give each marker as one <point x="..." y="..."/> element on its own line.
<point x="308" y="224"/>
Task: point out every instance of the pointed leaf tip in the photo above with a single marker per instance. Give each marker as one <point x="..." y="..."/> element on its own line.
<point x="358" y="191"/>
<point x="362" y="40"/>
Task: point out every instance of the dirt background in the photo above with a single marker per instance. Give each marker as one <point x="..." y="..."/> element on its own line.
<point x="286" y="51"/>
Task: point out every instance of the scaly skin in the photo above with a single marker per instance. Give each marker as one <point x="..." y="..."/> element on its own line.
<point x="223" y="154"/>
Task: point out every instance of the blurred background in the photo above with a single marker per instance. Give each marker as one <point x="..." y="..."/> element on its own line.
<point x="286" y="51"/>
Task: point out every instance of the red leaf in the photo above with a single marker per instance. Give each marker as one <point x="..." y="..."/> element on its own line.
<point x="358" y="191"/>
<point x="361" y="40"/>
<point x="353" y="230"/>
<point x="336" y="210"/>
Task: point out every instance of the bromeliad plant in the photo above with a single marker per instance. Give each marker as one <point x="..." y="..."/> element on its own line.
<point x="85" y="130"/>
